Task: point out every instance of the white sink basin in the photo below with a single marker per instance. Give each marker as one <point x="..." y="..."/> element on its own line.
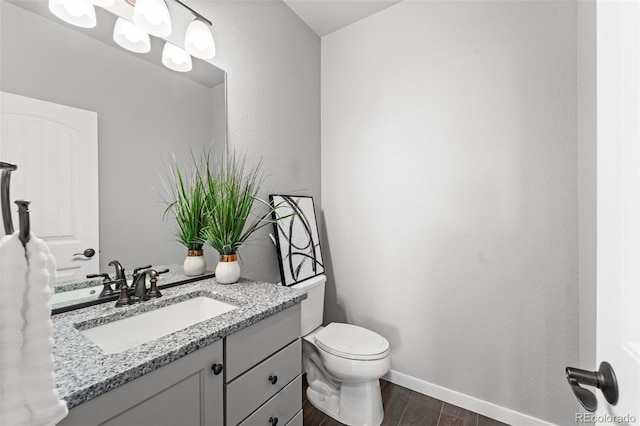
<point x="130" y="332"/>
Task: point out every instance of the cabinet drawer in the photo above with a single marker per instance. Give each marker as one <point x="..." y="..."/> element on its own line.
<point x="253" y="388"/>
<point x="251" y="345"/>
<point x="297" y="420"/>
<point x="282" y="407"/>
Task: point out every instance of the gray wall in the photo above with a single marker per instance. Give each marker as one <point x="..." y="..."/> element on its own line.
<point x="450" y="195"/>
<point x="272" y="61"/>
<point x="145" y="113"/>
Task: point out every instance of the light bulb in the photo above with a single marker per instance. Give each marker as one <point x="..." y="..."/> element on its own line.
<point x="129" y="36"/>
<point x="198" y="40"/>
<point x="153" y="17"/>
<point x="80" y="13"/>
<point x="175" y="58"/>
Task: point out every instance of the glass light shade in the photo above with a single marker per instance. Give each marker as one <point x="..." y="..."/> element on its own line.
<point x="198" y="40"/>
<point x="175" y="58"/>
<point x="103" y="3"/>
<point x="129" y="36"/>
<point x="80" y="13"/>
<point x="153" y="17"/>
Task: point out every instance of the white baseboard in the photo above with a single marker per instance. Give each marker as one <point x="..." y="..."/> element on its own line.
<point x="467" y="402"/>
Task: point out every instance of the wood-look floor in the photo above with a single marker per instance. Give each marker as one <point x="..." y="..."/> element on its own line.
<point x="404" y="407"/>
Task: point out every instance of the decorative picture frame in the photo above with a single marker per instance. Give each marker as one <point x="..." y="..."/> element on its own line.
<point x="297" y="238"/>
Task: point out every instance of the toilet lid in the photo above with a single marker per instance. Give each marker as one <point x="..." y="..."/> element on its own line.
<point x="351" y="341"/>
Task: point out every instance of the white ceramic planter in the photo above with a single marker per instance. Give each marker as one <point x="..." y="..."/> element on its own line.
<point x="228" y="269"/>
<point x="194" y="264"/>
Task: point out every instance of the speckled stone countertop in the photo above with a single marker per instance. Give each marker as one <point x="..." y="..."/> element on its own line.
<point x="83" y="371"/>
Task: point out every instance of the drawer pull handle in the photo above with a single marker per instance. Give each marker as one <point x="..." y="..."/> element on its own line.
<point x="273" y="379"/>
<point x="217" y="369"/>
<point x="273" y="421"/>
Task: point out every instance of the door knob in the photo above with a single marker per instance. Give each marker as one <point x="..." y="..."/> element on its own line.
<point x="216" y="368"/>
<point x="603" y="379"/>
<point x="88" y="253"/>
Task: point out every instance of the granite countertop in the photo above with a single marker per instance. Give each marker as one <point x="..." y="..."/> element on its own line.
<point x="83" y="371"/>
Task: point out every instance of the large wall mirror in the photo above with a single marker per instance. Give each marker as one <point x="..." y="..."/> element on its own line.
<point x="145" y="114"/>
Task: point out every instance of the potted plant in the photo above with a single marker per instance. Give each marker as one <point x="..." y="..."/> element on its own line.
<point x="186" y="202"/>
<point x="231" y="190"/>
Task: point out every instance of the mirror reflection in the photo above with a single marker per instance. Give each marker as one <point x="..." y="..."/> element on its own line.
<point x="89" y="125"/>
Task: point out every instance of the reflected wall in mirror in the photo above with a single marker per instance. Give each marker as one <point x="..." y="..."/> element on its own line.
<point x="145" y="113"/>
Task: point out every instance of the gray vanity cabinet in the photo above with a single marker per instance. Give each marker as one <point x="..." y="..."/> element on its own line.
<point x="184" y="392"/>
<point x="263" y="371"/>
<point x="260" y="384"/>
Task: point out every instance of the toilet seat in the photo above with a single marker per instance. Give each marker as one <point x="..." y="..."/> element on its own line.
<point x="352" y="342"/>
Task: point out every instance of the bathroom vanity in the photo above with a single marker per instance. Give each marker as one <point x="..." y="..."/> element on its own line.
<point x="238" y="367"/>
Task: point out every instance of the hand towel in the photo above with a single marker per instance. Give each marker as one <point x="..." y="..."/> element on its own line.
<point x="27" y="384"/>
<point x="13" y="273"/>
<point x="38" y="383"/>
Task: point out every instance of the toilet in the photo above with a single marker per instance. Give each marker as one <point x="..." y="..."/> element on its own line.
<point x="343" y="362"/>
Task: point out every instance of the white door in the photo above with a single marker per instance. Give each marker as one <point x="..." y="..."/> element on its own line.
<point x="56" y="150"/>
<point x="618" y="192"/>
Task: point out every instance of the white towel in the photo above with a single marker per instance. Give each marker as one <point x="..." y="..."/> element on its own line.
<point x="38" y="384"/>
<point x="36" y="394"/>
<point x="13" y="273"/>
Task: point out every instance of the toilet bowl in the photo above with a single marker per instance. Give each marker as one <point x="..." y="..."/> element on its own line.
<point x="343" y="363"/>
<point x="351" y="353"/>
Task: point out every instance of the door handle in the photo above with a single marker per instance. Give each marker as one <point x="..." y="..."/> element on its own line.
<point x="603" y="379"/>
<point x="88" y="253"/>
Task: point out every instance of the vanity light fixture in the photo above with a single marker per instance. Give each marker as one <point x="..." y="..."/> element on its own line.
<point x="150" y="17"/>
<point x="80" y="13"/>
<point x="131" y="37"/>
<point x="153" y="17"/>
<point x="176" y="58"/>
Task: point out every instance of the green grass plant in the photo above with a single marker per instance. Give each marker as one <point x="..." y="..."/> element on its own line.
<point x="186" y="200"/>
<point x="231" y="190"/>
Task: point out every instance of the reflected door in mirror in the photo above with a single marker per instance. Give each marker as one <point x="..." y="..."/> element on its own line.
<point x="56" y="150"/>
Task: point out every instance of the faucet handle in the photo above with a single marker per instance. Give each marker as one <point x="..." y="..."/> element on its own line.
<point x="135" y="271"/>
<point x="123" y="299"/>
<point x="153" y="280"/>
<point x="106" y="289"/>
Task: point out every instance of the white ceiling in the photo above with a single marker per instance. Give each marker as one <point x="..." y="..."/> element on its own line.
<point x="327" y="16"/>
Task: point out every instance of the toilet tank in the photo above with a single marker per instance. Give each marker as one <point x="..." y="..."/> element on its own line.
<point x="313" y="305"/>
